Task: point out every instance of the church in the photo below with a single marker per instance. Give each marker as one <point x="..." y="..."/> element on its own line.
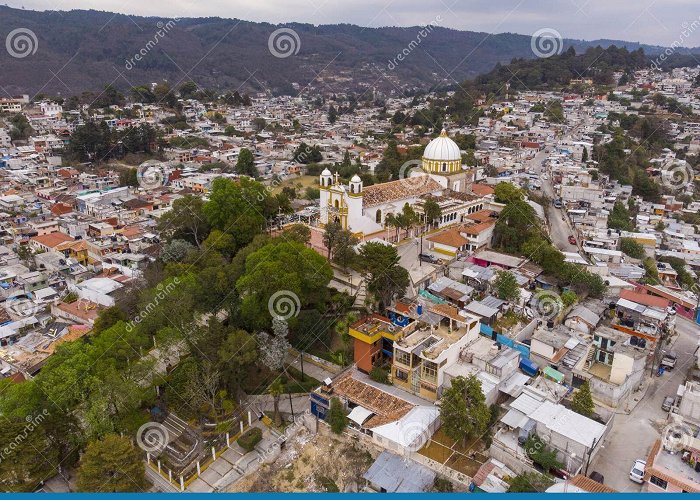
<point x="442" y="177"/>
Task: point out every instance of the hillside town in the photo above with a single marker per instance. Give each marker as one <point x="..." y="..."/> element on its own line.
<point x="224" y="288"/>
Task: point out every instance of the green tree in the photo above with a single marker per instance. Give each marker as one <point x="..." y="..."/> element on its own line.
<point x="506" y="286"/>
<point x="582" y="402"/>
<point x="289" y="268"/>
<point x="431" y="211"/>
<point x="505" y="192"/>
<point x="336" y="417"/>
<point x="112" y="465"/>
<point x="516" y="224"/>
<point x="384" y="276"/>
<point x="584" y="155"/>
<point x="620" y="218"/>
<point x="332" y="114"/>
<point x="128" y="177"/>
<point x="237" y="353"/>
<point x="245" y="165"/>
<point x="276" y="390"/>
<point x="529" y="482"/>
<point x="186" y="220"/>
<point x="298" y="232"/>
<point x="108" y="317"/>
<point x="539" y="453"/>
<point x="176" y="251"/>
<point x="29" y="455"/>
<point x="631" y="247"/>
<point x="344" y="250"/>
<point x="463" y="410"/>
<point x="652" y="273"/>
<point x="240" y="209"/>
<point x="188" y="90"/>
<point x="331" y="235"/>
<point x="568" y="298"/>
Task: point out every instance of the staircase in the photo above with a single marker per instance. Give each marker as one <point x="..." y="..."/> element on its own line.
<point x="360" y="296"/>
<point x="175" y="426"/>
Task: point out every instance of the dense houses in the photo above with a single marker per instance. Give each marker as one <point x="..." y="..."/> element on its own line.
<point x="75" y="238"/>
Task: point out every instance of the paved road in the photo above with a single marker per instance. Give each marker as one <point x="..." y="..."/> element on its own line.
<point x="559" y="229"/>
<point x="633" y="435"/>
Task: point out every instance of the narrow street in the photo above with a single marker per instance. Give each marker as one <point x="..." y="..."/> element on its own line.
<point x="559" y="229"/>
<point x="633" y="435"/>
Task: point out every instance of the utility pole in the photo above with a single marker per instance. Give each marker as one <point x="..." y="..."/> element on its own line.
<point x="301" y="359"/>
<point x="590" y="452"/>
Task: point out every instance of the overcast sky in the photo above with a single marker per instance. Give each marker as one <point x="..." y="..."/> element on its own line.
<point x="649" y="21"/>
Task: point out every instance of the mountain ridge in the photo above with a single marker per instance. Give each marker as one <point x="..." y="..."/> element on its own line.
<point x="82" y="50"/>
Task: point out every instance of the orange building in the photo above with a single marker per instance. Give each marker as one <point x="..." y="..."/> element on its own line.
<point x="374" y="339"/>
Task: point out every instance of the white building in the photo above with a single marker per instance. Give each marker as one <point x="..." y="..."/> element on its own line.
<point x="363" y="210"/>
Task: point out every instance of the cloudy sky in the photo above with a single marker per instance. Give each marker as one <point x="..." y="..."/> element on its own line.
<point x="659" y="22"/>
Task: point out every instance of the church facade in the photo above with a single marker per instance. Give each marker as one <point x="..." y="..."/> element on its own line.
<point x="363" y="210"/>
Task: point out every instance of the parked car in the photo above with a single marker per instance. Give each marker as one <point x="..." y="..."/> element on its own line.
<point x="637" y="472"/>
<point x="557" y="203"/>
<point x="669" y="360"/>
<point x="572" y="240"/>
<point x="668" y="403"/>
<point x="597" y="477"/>
<point x="424" y="257"/>
<point x="560" y="473"/>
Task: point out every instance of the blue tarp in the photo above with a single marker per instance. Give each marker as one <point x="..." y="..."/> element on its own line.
<point x="528" y="367"/>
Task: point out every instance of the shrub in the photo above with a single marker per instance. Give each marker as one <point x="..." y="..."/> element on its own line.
<point x="630" y="247"/>
<point x="380" y="375"/>
<point x="249" y="439"/>
<point x="328" y="484"/>
<point x="442" y="485"/>
<point x="336" y="417"/>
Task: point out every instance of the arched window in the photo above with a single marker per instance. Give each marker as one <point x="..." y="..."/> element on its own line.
<point x="337" y="204"/>
<point x="378" y="217"/>
<point x="352" y="188"/>
<point x="444" y="167"/>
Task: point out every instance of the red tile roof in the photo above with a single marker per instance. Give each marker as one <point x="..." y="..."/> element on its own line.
<point x="397" y="190"/>
<point x="450" y="238"/>
<point x="52" y="240"/>
<point x="644" y="298"/>
<point x="482" y="189"/>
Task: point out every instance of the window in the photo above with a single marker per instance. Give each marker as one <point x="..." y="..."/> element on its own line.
<point x="378" y="217"/>
<point x="444" y="167"/>
<point x="403" y="358"/>
<point x="337" y="204"/>
<point x="658" y="482"/>
<point x="401" y="375"/>
<point x="429" y="371"/>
